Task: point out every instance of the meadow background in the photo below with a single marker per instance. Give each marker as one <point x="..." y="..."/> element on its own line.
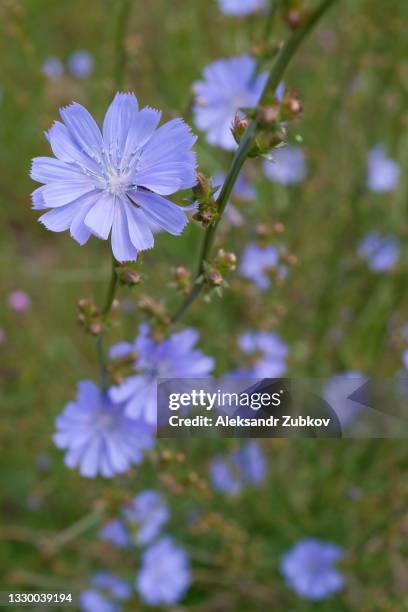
<point x="334" y="313"/>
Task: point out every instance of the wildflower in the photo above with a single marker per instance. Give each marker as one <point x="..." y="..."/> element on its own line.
<point x="107" y="590"/>
<point x="309" y="569"/>
<point x="255" y="263"/>
<point x="382" y="172"/>
<point x="174" y="357"/>
<point x="273" y="353"/>
<point x="81" y="64"/>
<point x="114" y="182"/>
<point x="165" y="573"/>
<point x="149" y="512"/>
<point x="53" y="68"/>
<point x="98" y="436"/>
<point x="244" y="465"/>
<point x="19" y="301"/>
<point x="228" y="85"/>
<point x="288" y="166"/>
<point x="337" y="392"/>
<point x="241" y="7"/>
<point x="115" y="532"/>
<point x="380" y="252"/>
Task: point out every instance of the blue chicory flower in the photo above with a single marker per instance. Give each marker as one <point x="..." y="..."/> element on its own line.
<point x="107" y="590"/>
<point x="165" y="573"/>
<point x="256" y="261"/>
<point x="383" y="173"/>
<point x="149" y="513"/>
<point x="381" y="252"/>
<point x="114" y="181"/>
<point x="246" y="465"/>
<point x="288" y="166"/>
<point x="98" y="436"/>
<point x="115" y="532"/>
<point x="241" y="7"/>
<point x="228" y="86"/>
<point x="273" y="353"/>
<point x="309" y="569"/>
<point x="81" y="64"/>
<point x="174" y="357"/>
<point x="53" y="68"/>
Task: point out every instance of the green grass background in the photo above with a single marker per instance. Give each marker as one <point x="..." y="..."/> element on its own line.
<point x="353" y="78"/>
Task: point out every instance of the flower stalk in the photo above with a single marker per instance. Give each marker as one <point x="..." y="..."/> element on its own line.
<point x="276" y="73"/>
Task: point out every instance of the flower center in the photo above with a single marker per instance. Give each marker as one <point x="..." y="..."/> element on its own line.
<point x="117" y="184"/>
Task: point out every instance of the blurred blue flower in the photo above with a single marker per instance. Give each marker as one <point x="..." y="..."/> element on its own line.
<point x="381" y="252"/>
<point x="273" y="353"/>
<point x="149" y="512"/>
<point x="405" y="359"/>
<point x="223" y="478"/>
<point x="174" y="357"/>
<point x="382" y="172"/>
<point x="113" y="589"/>
<point x="288" y="166"/>
<point x="241" y="7"/>
<point x="250" y="461"/>
<point x="245" y="465"/>
<point x="98" y="436"/>
<point x="93" y="185"/>
<point x="81" y="64"/>
<point x="309" y="569"/>
<point x="92" y="600"/>
<point x="115" y="532"/>
<point x="228" y="85"/>
<point x="165" y="573"/>
<point x="256" y="261"/>
<point x="52" y="68"/>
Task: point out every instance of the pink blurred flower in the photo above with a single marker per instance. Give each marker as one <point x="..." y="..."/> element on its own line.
<point x="19" y="301"/>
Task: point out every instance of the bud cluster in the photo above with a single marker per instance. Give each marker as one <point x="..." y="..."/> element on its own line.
<point x="213" y="276"/>
<point x="90" y="317"/>
<point x="156" y="313"/>
<point x="181" y="279"/>
<point x="204" y="192"/>
<point x="271" y="119"/>
<point x="128" y="275"/>
<point x="119" y="368"/>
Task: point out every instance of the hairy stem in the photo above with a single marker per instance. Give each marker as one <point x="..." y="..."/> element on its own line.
<point x="276" y="73"/>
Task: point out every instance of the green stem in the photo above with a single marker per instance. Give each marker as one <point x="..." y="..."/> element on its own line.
<point x="275" y="76"/>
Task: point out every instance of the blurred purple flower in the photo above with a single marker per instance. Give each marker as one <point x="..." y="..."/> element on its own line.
<point x="98" y="436"/>
<point x="381" y="252"/>
<point x="223" y="478"/>
<point x="165" y="573"/>
<point x="244" y="465"/>
<point x="256" y="261"/>
<point x="250" y="461"/>
<point x="228" y="85"/>
<point x="405" y="359"/>
<point x="115" y="532"/>
<point x="273" y="353"/>
<point x="288" y="166"/>
<point x="336" y="392"/>
<point x="174" y="357"/>
<point x="113" y="589"/>
<point x="149" y="512"/>
<point x="81" y="64"/>
<point x="115" y="180"/>
<point x="116" y="587"/>
<point x="53" y="68"/>
<point x="19" y="301"/>
<point x="382" y="172"/>
<point x="309" y="569"/>
<point x="241" y="7"/>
